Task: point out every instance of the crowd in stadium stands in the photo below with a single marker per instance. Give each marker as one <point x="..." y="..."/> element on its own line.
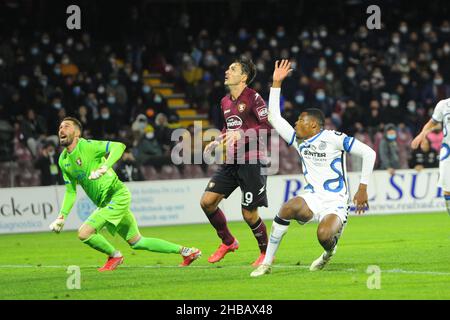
<point x="380" y="87"/>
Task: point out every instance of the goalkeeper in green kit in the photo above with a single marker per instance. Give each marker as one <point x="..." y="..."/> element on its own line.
<point x="89" y="163"/>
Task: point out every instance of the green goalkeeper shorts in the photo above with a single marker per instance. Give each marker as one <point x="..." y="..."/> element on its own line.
<point x="116" y="216"/>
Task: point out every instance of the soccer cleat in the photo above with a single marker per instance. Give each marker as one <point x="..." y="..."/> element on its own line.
<point x="111" y="264"/>
<point x="322" y="261"/>
<point x="222" y="251"/>
<point x="189" y="255"/>
<point x="261" y="270"/>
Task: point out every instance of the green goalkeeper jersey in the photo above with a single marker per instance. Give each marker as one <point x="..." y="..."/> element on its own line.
<point x="76" y="166"/>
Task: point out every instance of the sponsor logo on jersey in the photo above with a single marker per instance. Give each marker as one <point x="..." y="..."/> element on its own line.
<point x="241" y="107"/>
<point x="234" y="122"/>
<point x="315" y="154"/>
<point x="78" y="161"/>
<point x="227" y="111"/>
<point x="262" y="112"/>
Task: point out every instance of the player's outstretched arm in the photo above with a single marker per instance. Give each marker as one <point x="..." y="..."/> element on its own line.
<point x="284" y="129"/>
<point x="114" y="151"/>
<point x="69" y="200"/>
<point x="361" y="198"/>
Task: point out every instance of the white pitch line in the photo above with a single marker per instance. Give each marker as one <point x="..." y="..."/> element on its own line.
<point x="23" y="266"/>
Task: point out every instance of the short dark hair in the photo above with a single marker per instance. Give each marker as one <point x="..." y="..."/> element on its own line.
<point x="248" y="68"/>
<point x="75" y="121"/>
<point x="316" y="114"/>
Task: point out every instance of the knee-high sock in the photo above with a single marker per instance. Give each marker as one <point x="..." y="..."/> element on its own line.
<point x="98" y="242"/>
<point x="279" y="229"/>
<point x="447" y="203"/>
<point x="156" y="245"/>
<point x="260" y="232"/>
<point x="219" y="222"/>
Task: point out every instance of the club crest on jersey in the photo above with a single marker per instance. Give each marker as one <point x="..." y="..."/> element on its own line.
<point x="241" y="107"/>
<point x="322" y="145"/>
<point x="78" y="161"/>
<point x="211" y="185"/>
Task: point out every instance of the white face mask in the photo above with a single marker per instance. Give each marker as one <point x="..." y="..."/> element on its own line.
<point x="149" y="135"/>
<point x="394" y="103"/>
<point x="411" y="108"/>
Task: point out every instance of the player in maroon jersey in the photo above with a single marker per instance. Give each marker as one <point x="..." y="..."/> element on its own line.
<point x="245" y="114"/>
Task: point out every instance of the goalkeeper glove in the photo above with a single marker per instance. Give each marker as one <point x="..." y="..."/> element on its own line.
<point x="58" y="224"/>
<point x="98" y="173"/>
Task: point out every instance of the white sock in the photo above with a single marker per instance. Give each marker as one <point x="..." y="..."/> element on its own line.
<point x="116" y="254"/>
<point x="276" y="234"/>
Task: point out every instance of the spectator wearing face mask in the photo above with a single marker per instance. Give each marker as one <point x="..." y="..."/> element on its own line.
<point x="128" y="169"/>
<point x="148" y="151"/>
<point x="435" y="90"/>
<point x="105" y="127"/>
<point x="34" y="130"/>
<point x="52" y="114"/>
<point x="162" y="132"/>
<point x="388" y="150"/>
<point x="85" y="117"/>
<point x="47" y="164"/>
<point x="118" y="90"/>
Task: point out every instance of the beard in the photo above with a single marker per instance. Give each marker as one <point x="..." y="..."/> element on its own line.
<point x="66" y="142"/>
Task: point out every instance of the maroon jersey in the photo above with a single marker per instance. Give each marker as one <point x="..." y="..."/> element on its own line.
<point x="248" y="111"/>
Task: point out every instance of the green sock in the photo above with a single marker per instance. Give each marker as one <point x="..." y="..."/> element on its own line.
<point x="156" y="245"/>
<point x="98" y="242"/>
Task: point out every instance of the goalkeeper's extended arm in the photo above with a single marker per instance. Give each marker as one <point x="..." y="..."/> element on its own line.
<point x="115" y="150"/>
<point x="283" y="127"/>
<point x="69" y="199"/>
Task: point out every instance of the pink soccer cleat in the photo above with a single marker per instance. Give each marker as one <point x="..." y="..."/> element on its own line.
<point x="222" y="251"/>
<point x="111" y="264"/>
<point x="189" y="255"/>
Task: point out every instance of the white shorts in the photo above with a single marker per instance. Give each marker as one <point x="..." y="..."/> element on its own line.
<point x="444" y="175"/>
<point x="322" y="205"/>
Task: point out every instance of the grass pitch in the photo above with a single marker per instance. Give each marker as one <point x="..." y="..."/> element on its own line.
<point x="412" y="251"/>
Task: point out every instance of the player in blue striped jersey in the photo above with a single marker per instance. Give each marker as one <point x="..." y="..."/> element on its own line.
<point x="322" y="155"/>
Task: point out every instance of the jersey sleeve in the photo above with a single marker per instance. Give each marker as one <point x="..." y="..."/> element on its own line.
<point x="260" y="109"/>
<point x="341" y="141"/>
<point x="355" y="147"/>
<point x="113" y="149"/>
<point x="438" y="114"/>
<point x="71" y="192"/>
<point x="284" y="129"/>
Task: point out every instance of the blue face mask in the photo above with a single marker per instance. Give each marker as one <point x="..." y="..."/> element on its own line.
<point x="320" y="96"/>
<point x="391" y="137"/>
<point x="299" y="99"/>
<point x="111" y="99"/>
<point x="114" y="82"/>
<point x="76" y="90"/>
<point x="50" y="61"/>
<point x="146" y="89"/>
